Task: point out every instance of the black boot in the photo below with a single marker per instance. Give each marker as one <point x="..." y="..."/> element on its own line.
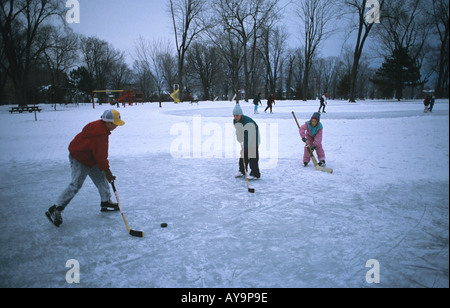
<point x="109" y="206"/>
<point x="54" y="215"/>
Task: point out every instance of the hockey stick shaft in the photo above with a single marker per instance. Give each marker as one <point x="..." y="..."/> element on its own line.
<point x="131" y="232"/>
<point x="250" y="190"/>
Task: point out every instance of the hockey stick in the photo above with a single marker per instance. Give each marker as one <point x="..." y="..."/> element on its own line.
<point x="250" y="190"/>
<point x="311" y="153"/>
<point x="130" y="232"/>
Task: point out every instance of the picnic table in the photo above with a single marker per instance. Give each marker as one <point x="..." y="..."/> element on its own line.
<point x="22" y="109"/>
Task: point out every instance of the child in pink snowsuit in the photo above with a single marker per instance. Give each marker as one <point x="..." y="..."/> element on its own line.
<point x="311" y="132"/>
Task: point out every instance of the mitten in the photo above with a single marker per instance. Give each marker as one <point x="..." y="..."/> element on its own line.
<point x="109" y="176"/>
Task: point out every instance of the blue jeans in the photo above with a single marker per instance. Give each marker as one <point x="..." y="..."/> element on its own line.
<point x="79" y="175"/>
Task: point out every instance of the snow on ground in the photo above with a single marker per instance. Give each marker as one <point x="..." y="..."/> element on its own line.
<point x="387" y="200"/>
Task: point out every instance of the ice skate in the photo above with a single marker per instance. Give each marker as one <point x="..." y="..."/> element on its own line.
<point x="54" y="215"/>
<point x="109" y="206"/>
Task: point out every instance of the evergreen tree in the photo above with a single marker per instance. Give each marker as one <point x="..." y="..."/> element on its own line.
<point x="81" y="80"/>
<point x="397" y="72"/>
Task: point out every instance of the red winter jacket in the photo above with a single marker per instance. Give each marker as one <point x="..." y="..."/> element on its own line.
<point x="90" y="147"/>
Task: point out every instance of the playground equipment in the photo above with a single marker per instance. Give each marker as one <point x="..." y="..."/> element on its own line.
<point x="176" y="93"/>
<point x="129" y="96"/>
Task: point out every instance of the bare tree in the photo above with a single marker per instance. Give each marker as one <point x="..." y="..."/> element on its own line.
<point x="120" y="74"/>
<point x="245" y="20"/>
<point x="203" y="62"/>
<point x="324" y="73"/>
<point x="152" y="57"/>
<point x="438" y="14"/>
<point x="99" y="57"/>
<point x="405" y="27"/>
<point x="231" y="52"/>
<point x="62" y="52"/>
<point x="188" y="23"/>
<point x="273" y="54"/>
<point x="363" y="25"/>
<point x="298" y="66"/>
<point x="316" y="18"/>
<point x="143" y="78"/>
<point x="21" y="22"/>
<point x="291" y="59"/>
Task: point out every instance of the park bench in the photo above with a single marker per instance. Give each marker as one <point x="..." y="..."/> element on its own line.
<point x="22" y="109"/>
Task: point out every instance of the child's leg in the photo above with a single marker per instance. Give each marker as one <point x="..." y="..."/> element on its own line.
<point x="99" y="180"/>
<point x="254" y="162"/>
<point x="320" y="152"/>
<point x="306" y="156"/>
<point x="79" y="175"/>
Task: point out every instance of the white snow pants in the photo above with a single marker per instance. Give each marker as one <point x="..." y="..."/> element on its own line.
<point x="79" y="174"/>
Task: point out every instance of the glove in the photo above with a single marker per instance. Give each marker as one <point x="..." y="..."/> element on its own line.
<point x="109" y="176"/>
<point x="304" y="139"/>
<point x="313" y="148"/>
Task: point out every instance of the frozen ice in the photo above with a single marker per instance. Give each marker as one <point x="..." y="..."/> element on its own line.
<point x="387" y="200"/>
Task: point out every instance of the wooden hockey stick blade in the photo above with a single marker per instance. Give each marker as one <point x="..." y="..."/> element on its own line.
<point x="324" y="169"/>
<point x="130" y="232"/>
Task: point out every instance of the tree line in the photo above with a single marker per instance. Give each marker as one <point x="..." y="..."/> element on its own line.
<point x="227" y="48"/>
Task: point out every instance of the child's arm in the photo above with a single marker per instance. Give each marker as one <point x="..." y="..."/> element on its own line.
<point x="302" y="130"/>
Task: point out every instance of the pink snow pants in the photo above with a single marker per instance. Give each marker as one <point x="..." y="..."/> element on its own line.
<point x="319" y="150"/>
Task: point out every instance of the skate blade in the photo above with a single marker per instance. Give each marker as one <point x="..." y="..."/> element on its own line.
<point x="108" y="210"/>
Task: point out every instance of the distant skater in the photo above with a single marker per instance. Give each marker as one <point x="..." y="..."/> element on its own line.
<point x="323" y="102"/>
<point x="432" y="101"/>
<point x="426" y="103"/>
<point x="270" y="102"/>
<point x="256" y="102"/>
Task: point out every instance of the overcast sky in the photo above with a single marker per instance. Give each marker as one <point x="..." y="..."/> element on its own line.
<point x="121" y="23"/>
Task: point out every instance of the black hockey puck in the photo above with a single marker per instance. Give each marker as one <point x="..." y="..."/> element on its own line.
<point x="163" y="225"/>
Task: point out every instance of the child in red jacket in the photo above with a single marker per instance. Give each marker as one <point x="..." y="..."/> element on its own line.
<point x="89" y="157"/>
<point x="311" y="132"/>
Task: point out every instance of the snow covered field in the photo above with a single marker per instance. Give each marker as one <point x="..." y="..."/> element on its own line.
<point x="387" y="200"/>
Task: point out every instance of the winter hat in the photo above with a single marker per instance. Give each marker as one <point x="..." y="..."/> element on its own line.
<point x="238" y="110"/>
<point x="316" y="116"/>
<point x="112" y="116"/>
